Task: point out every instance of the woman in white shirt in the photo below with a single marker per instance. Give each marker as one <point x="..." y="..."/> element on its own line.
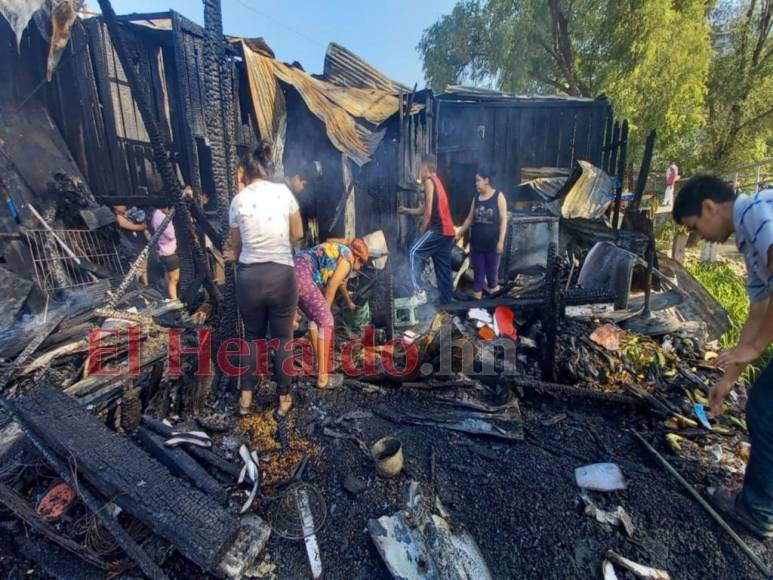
<point x="264" y="221"/>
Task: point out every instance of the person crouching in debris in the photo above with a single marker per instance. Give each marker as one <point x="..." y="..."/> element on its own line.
<point x="326" y="266"/>
<point x="708" y="206"/>
<point x="436" y="233"/>
<point x="264" y="222"/>
<point x="488" y="219"/>
<point x="133" y="220"/>
<point x="167" y="251"/>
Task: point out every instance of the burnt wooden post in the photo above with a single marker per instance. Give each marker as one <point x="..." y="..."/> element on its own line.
<point x="620" y="175"/>
<point x="200" y="453"/>
<point x="217" y="81"/>
<point x="641" y="182"/>
<point x="614" y="148"/>
<point x="180" y="464"/>
<point x="159" y="145"/>
<point x="551" y="313"/>
<point x="607" y="150"/>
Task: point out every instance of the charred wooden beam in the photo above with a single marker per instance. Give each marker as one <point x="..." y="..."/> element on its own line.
<point x="204" y="455"/>
<point x="641" y="182"/>
<point x="574" y="391"/>
<point x="203" y="221"/>
<point x="30" y="349"/>
<point x="200" y="528"/>
<point x="180" y="464"/>
<point x="620" y="175"/>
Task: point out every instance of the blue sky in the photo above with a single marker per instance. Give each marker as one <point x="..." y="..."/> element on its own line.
<point x="384" y="33"/>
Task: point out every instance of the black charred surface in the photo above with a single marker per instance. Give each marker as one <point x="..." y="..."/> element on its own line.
<point x="519" y="500"/>
<point x="119" y="470"/>
<point x="180" y="464"/>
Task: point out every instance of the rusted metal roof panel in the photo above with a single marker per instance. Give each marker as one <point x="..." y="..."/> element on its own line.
<point x="344" y="68"/>
<point x="349" y="113"/>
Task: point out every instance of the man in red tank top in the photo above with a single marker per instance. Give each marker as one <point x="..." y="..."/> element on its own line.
<point x="436" y="233"/>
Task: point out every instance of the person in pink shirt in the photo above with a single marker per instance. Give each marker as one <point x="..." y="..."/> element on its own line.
<point x="167" y="251"/>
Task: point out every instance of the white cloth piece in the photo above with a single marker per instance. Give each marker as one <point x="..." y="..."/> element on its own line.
<point x="480" y="314"/>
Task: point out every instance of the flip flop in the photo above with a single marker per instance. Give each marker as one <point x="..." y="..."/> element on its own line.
<point x="505" y="317"/>
<point x="285" y="413"/>
<point x="335" y="381"/>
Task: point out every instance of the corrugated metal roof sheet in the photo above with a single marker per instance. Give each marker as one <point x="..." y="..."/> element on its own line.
<point x="343" y="67"/>
<point x="339" y="108"/>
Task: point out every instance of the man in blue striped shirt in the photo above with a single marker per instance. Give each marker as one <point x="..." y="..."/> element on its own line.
<point x="709" y="206"/>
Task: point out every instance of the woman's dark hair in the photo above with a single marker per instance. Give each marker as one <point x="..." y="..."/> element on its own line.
<point x="486" y="173"/>
<point x="429" y="161"/>
<point x="689" y="200"/>
<point x="257" y="162"/>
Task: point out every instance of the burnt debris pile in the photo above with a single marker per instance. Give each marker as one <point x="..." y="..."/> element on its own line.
<point x="521" y="434"/>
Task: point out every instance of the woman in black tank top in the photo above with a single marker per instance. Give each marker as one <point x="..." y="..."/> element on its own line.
<point x="488" y="220"/>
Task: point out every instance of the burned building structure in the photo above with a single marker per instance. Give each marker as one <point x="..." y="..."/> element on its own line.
<point x="139" y="106"/>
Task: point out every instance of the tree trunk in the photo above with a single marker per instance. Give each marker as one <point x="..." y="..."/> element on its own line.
<point x="562" y="49"/>
<point x="679" y="248"/>
<point x="709" y="252"/>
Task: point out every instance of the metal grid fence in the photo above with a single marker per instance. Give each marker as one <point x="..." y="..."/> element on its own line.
<point x="62" y="258"/>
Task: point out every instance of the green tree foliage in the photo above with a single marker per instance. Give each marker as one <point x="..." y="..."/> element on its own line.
<point x="740" y="102"/>
<point x="658" y="61"/>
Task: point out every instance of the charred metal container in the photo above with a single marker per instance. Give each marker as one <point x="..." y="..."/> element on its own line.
<point x="526" y="246"/>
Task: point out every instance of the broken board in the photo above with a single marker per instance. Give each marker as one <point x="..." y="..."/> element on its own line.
<point x="698" y="304"/>
<point x="14" y="291"/>
<point x="195" y="523"/>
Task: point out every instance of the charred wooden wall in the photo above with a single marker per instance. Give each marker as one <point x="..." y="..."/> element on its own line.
<point x="99" y="119"/>
<point x="375" y="184"/>
<point x="510" y="133"/>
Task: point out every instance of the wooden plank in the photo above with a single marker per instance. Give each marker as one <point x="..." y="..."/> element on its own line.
<point x="197" y="525"/>
<point x="181" y="464"/>
<point x="96" y="505"/>
<point x="199" y="453"/>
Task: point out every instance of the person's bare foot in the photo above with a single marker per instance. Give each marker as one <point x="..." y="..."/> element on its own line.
<point x="245" y="403"/>
<point x="285" y="404"/>
<point x="332" y="381"/>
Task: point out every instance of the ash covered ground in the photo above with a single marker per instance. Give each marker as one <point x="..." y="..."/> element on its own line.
<point x="519" y="500"/>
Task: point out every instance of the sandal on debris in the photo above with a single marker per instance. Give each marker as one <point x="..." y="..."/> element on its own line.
<point x="333" y="382"/>
<point x="279" y="410"/>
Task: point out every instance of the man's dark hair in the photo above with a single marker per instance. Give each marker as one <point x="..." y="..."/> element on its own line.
<point x="429" y="161"/>
<point x="689" y="200"/>
<point x="306" y="170"/>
